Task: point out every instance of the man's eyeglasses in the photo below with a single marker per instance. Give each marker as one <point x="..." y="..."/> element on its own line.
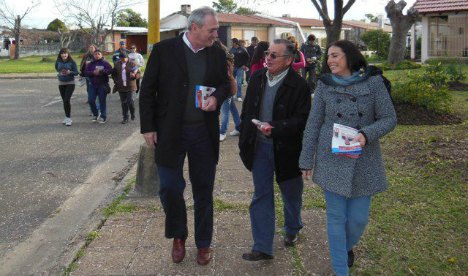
<point x="273" y="55"/>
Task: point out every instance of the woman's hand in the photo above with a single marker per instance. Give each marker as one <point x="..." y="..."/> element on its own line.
<point x="306" y="174"/>
<point x="361" y="139"/>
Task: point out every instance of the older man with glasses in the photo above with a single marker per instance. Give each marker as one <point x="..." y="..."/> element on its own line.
<point x="273" y="119"/>
<point x="138" y="59"/>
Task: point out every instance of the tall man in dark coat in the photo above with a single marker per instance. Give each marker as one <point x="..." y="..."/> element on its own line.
<point x="280" y="99"/>
<point x="176" y="128"/>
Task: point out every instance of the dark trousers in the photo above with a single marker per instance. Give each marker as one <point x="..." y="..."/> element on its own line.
<point x="66" y="92"/>
<point x="127" y="104"/>
<point x="311" y="80"/>
<point x="138" y="81"/>
<point x="196" y="145"/>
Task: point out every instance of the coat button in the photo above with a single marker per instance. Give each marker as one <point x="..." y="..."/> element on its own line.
<point x="338" y="101"/>
<point x="358" y="127"/>
<point x="339" y="115"/>
<point x="360" y="114"/>
<point x="353" y="99"/>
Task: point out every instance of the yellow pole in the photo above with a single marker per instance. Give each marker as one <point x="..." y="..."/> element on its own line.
<point x="153" y="23"/>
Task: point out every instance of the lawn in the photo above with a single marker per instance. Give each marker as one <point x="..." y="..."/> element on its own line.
<point x="35" y="64"/>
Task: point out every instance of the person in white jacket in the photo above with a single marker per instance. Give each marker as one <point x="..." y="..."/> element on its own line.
<point x="138" y="59"/>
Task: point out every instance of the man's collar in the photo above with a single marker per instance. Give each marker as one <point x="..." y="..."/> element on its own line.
<point x="187" y="42"/>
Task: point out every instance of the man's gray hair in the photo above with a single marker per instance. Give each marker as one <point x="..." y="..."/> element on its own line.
<point x="197" y="16"/>
<point x="290" y="47"/>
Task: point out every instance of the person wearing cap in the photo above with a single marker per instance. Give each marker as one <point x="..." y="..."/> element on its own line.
<point x="312" y="53"/>
<point x="122" y="49"/>
<point x="124" y="74"/>
<point x="98" y="72"/>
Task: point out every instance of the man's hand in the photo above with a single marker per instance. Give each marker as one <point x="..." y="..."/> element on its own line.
<point x="151" y="139"/>
<point x="265" y="128"/>
<point x="210" y="104"/>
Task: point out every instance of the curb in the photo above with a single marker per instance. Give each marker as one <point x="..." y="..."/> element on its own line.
<point x="27" y="76"/>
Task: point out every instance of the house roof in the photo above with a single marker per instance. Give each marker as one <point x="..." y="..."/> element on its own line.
<point x="365" y="25"/>
<point x="305" y="22"/>
<point x="437" y="6"/>
<point x="249" y="19"/>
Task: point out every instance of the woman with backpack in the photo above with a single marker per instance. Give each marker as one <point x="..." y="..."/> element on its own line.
<point x="67" y="70"/>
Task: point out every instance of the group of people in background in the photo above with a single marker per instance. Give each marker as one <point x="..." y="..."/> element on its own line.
<point x="95" y="70"/>
<point x="284" y="134"/>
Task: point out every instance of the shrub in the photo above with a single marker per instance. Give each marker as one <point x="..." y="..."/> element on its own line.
<point x="422" y="89"/>
<point x="455" y="72"/>
<point x="377" y="40"/>
<point x="436" y="75"/>
<point x="404" y="65"/>
<point x="442" y="60"/>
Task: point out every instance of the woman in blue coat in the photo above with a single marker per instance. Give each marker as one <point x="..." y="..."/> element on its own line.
<point x="350" y="96"/>
<point x="67" y="70"/>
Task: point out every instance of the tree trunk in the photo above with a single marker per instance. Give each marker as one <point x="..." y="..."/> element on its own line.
<point x="400" y="27"/>
<point x="17" y="34"/>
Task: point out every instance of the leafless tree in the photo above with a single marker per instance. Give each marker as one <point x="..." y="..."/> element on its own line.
<point x="13" y="20"/>
<point x="400" y="27"/>
<point x="96" y="18"/>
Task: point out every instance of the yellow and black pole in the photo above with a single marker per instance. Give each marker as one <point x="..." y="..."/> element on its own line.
<point x="153" y="23"/>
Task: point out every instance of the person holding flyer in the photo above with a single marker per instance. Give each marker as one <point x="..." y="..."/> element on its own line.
<point x="347" y="98"/>
<point x="273" y="118"/>
<point x="177" y="128"/>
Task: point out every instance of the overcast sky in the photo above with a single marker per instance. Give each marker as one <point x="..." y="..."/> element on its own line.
<point x="42" y="15"/>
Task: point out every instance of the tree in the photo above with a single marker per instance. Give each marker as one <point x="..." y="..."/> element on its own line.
<point x="96" y="18"/>
<point x="377" y="40"/>
<point x="225" y="6"/>
<point x="400" y="27"/>
<point x="130" y="18"/>
<point x="56" y="25"/>
<point x="245" y="11"/>
<point x="371" y="17"/>
<point x="13" y="20"/>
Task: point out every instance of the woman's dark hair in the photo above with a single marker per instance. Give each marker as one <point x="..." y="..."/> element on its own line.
<point x="259" y="51"/>
<point x="64" y="50"/>
<point x="354" y="59"/>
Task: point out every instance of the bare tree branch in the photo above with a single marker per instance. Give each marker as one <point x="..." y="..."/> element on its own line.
<point x="348" y="6"/>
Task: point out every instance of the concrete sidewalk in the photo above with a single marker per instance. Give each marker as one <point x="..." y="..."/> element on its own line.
<point x="134" y="243"/>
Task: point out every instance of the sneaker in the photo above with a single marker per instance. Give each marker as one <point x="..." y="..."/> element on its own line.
<point x="95" y="118"/>
<point x="68" y="122"/>
<point x="239" y="99"/>
<point x="65" y="120"/>
<point x="124" y="121"/>
<point x="254" y="256"/>
<point x="235" y="132"/>
<point x="222" y="137"/>
<point x="290" y="240"/>
<point x="102" y="120"/>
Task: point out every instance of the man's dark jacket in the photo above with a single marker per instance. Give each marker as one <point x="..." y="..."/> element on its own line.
<point x="163" y="96"/>
<point x="290" y="112"/>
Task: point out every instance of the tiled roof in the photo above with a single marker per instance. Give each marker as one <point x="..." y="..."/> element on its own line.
<point x="305" y="22"/>
<point x="248" y="19"/>
<point x="435" y="6"/>
<point x="364" y="25"/>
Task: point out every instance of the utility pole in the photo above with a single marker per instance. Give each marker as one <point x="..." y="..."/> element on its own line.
<point x="154" y="21"/>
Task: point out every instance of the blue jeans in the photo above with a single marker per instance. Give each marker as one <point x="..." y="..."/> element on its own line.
<point x="196" y="144"/>
<point x="239" y="75"/>
<point x="346" y="220"/>
<point x="88" y="84"/>
<point x="97" y="92"/>
<point x="262" y="208"/>
<point x="229" y="105"/>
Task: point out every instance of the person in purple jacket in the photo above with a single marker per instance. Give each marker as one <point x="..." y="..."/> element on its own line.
<point x="98" y="72"/>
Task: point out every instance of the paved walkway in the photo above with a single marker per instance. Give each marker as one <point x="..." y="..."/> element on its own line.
<point x="134" y="243"/>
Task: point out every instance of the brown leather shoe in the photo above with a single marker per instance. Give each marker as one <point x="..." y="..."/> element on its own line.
<point x="178" y="250"/>
<point x="204" y="256"/>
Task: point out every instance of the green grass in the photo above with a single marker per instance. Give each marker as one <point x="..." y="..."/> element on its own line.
<point x="117" y="207"/>
<point x="35" y="64"/>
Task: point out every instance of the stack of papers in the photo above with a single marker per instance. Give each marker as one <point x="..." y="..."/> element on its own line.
<point x="342" y="141"/>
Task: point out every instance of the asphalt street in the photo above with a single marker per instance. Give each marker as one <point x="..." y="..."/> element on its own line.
<point x="42" y="161"/>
